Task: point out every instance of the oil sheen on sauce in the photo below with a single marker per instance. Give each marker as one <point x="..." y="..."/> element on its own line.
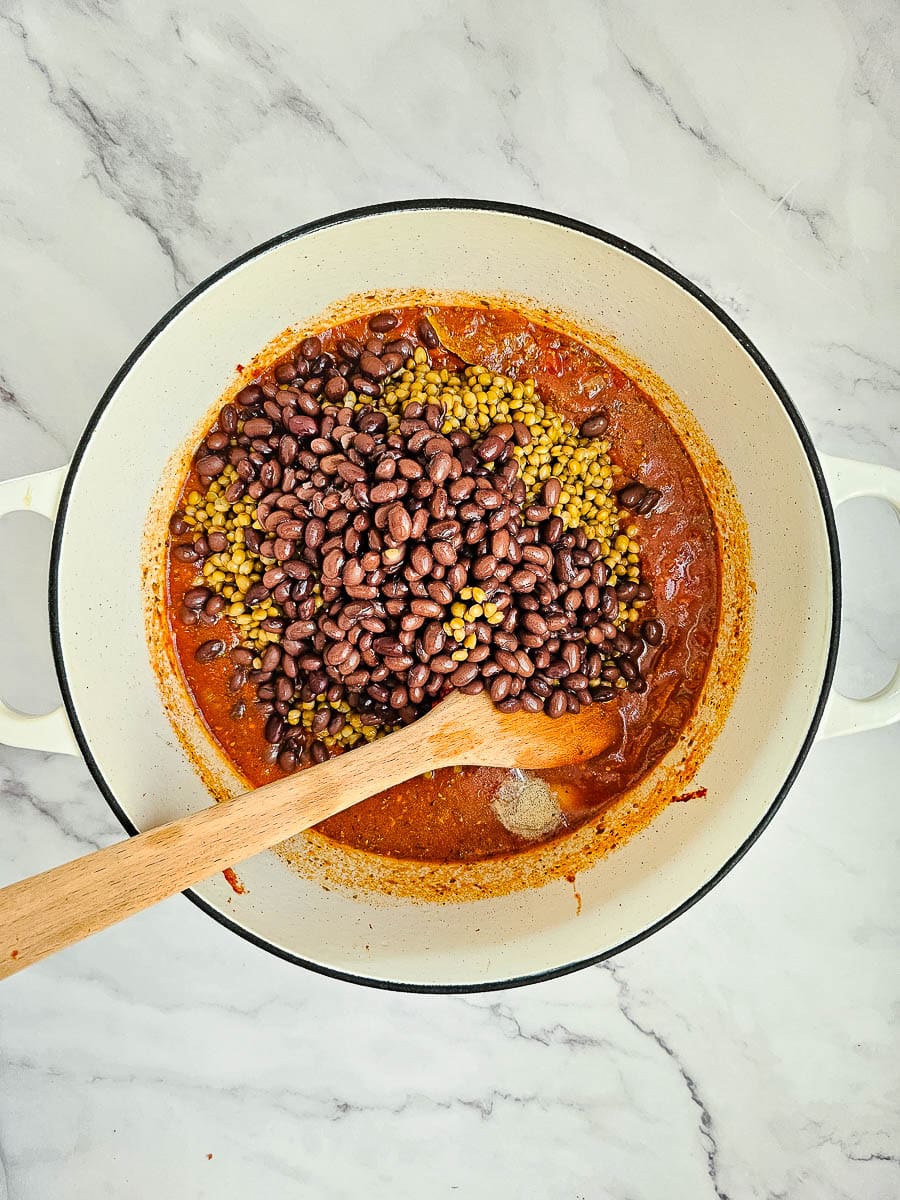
<point x="449" y="817"/>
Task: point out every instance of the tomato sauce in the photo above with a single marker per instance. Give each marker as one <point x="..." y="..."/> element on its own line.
<point x="448" y="817"/>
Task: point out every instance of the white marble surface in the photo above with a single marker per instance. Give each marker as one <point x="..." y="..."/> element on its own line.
<point x="747" y="1050"/>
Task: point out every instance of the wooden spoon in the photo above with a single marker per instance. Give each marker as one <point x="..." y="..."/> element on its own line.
<point x="47" y="912"/>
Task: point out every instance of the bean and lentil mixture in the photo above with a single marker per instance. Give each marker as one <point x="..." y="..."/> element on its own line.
<point x="378" y="519"/>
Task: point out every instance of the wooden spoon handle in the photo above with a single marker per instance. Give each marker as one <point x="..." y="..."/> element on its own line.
<point x="47" y="912"/>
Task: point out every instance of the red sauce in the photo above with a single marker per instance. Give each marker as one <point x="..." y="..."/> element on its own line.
<point x="576" y="894"/>
<point x="699" y="794"/>
<point x="233" y="882"/>
<point x="449" y="818"/>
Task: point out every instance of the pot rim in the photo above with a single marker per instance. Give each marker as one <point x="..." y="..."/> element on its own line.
<point x="536" y="214"/>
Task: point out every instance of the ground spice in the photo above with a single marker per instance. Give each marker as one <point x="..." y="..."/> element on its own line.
<point x="527" y="806"/>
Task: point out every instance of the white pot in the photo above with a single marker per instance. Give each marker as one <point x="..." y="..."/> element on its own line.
<point x="154" y="404"/>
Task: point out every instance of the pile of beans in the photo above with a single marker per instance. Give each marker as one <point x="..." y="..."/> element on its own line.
<point x="380" y="531"/>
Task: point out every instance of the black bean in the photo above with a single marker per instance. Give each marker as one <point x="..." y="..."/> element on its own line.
<point x="287" y="761"/>
<point x="196" y="597"/>
<point x="536" y="512"/>
<point x="383" y="322"/>
<point x="490" y="448"/>
<point x="207" y="651"/>
<point x="464" y="673"/>
<point x="652" y="632"/>
<point x="551" y="492"/>
<point x="228" y="419"/>
<point x="314" y="533"/>
<point x="609" y="602"/>
<point x="249" y="396"/>
<point x="484" y="567"/>
<point x="258" y="427"/>
<point x="238" y="679"/>
<point x="649" y="501"/>
<point x="274" y="730"/>
<point x="522" y="581"/>
<point x="631" y="496"/>
<point x="399" y="522"/>
<point x="553" y="530"/>
<point x="373" y="367"/>
<point x="440" y="591"/>
<point x="402" y="346"/>
<point x="507" y="661"/>
<point x="319" y="752"/>
<point x="627" y="667"/>
<point x="571" y="656"/>
<point x="595" y="427"/>
<point x="321" y="364"/>
<point x="367" y="387"/>
<point x="271" y="658"/>
<point x="427" y="334"/>
<point x="210" y="465"/>
<point x="426" y="608"/>
<point x="439" y="468"/>
<point x="521" y="433"/>
<point x="285" y="372"/>
<point x="526" y="666"/>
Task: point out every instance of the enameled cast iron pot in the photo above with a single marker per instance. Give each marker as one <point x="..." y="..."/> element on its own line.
<point x="113" y="712"/>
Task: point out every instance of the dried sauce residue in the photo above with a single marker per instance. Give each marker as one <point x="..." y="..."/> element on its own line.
<point x="698" y="795"/>
<point x="234" y="882"/>
<point x="571" y="879"/>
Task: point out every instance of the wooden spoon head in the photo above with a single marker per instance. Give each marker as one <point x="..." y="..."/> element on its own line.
<point x="469" y="730"/>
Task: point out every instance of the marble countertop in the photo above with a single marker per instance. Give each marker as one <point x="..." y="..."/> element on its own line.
<point x="748" y="1049"/>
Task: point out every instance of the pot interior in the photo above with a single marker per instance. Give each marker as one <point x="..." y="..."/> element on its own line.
<point x="170" y="384"/>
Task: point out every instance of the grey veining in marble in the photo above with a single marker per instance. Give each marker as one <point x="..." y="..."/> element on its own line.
<point x="749" y="1050"/>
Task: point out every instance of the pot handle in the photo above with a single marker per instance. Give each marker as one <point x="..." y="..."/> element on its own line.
<point x="846" y="480"/>
<point x="50" y="731"/>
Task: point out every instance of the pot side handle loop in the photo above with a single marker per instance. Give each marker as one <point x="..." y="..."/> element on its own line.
<point x="848" y="479"/>
<point x="51" y="731"/>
